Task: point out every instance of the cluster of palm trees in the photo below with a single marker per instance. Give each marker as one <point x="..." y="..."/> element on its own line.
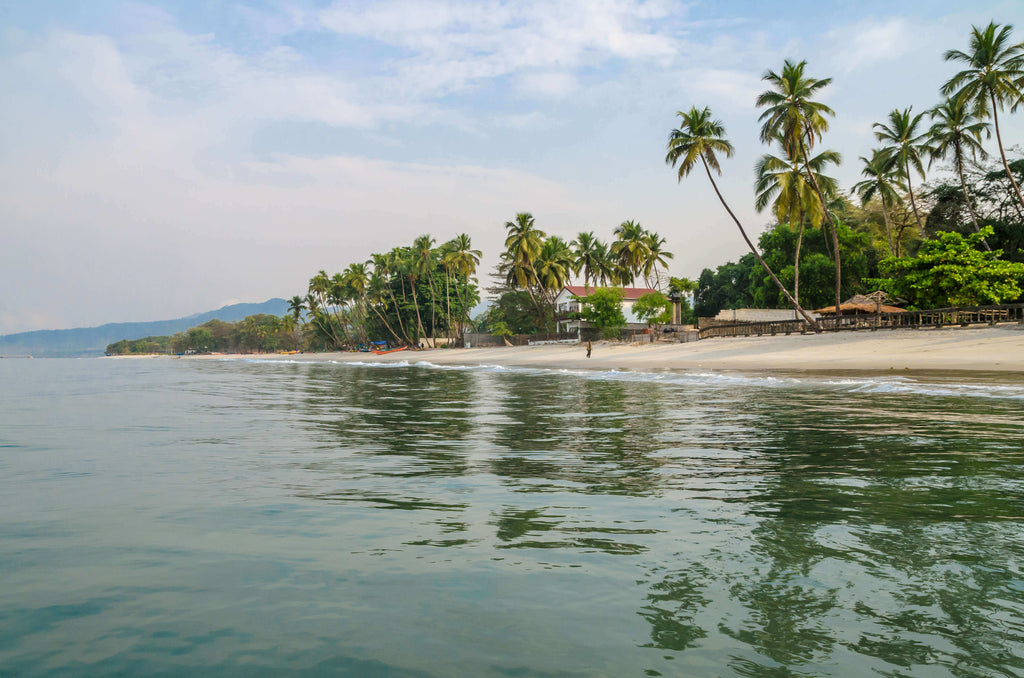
<point x="793" y="180"/>
<point x="542" y="265"/>
<point x="404" y="296"/>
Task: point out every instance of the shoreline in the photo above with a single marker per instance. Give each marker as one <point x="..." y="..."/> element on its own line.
<point x="998" y="349"/>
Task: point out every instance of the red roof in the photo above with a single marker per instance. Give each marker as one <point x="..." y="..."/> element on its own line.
<point x="628" y="293"/>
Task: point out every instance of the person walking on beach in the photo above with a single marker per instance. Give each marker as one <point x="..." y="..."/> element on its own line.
<point x="590" y="347"/>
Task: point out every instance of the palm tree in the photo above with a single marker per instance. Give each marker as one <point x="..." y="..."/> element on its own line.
<point x="420" y="265"/>
<point x="629" y="250"/>
<point x="955" y="131"/>
<point x="993" y="78"/>
<point x="587" y="257"/>
<point x="384" y="266"/>
<point x="794" y="117"/>
<point x="462" y="260"/>
<point x="605" y="270"/>
<point x="906" y="147"/>
<point x="700" y="137"/>
<point x="657" y="255"/>
<point x="553" y="267"/>
<point x="296" y="305"/>
<point x="881" y="181"/>
<point x="523" y="245"/>
<point x="784" y="183"/>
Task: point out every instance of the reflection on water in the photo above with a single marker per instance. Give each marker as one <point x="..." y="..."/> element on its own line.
<point x="295" y="518"/>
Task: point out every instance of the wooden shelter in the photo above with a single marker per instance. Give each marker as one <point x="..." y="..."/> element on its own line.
<point x="863" y="304"/>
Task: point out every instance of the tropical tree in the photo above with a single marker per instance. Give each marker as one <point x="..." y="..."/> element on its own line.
<point x="792" y="116"/>
<point x="785" y="184"/>
<point x="657" y="256"/>
<point x="629" y="251"/>
<point x="587" y="257"/>
<point x="881" y="182"/>
<point x="993" y="78"/>
<point x="956" y="132"/>
<point x="906" y="147"/>
<point x="700" y="137"/>
<point x="296" y="305"/>
<point x="553" y="267"/>
<point x="461" y="260"/>
<point x="523" y="244"/>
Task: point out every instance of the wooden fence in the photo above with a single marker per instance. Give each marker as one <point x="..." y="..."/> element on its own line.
<point x="937" y="317"/>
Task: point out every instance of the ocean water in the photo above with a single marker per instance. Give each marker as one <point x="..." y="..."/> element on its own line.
<point x="177" y="517"/>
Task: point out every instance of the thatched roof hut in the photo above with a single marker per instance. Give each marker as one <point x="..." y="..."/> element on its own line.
<point x="863" y="304"/>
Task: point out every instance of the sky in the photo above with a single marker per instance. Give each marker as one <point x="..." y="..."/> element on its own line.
<point x="159" y="159"/>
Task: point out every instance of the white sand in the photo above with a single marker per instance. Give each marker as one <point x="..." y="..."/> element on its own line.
<point x="987" y="349"/>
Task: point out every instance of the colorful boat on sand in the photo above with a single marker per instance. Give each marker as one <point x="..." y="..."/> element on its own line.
<point x="394" y="350"/>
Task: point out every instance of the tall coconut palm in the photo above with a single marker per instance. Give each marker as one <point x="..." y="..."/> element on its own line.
<point x="553" y="267"/>
<point x="587" y="257"/>
<point x="784" y="183"/>
<point x="630" y="250"/>
<point x="792" y="115"/>
<point x="700" y="137"/>
<point x="994" y="78"/>
<point x="296" y="305"/>
<point x="420" y="265"/>
<point x="956" y="132"/>
<point x="523" y="244"/>
<point x="462" y="260"/>
<point x="885" y="183"/>
<point x="906" y="147"/>
<point x="384" y="266"/>
<point x="657" y="256"/>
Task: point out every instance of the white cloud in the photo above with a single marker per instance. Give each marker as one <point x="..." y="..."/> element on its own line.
<point x="448" y="45"/>
<point x="872" y="41"/>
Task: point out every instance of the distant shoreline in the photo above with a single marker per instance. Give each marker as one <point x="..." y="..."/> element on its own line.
<point x="997" y="349"/>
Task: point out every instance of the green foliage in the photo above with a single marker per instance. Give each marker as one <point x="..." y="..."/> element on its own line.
<point x="146" y="345"/>
<point x="516" y="311"/>
<point x="603" y="310"/>
<point x="953" y="270"/>
<point x="654" y="308"/>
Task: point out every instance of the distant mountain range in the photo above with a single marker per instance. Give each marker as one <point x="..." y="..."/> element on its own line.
<point x="86" y="341"/>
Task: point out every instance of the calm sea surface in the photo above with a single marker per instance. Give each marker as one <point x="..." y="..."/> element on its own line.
<point x="176" y="517"/>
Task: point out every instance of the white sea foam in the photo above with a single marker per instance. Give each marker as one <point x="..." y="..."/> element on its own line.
<point x="882" y="385"/>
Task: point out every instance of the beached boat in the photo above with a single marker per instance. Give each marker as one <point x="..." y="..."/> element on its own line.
<point x="394" y="350"/>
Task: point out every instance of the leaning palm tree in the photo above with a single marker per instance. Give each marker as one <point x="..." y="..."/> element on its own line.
<point x="792" y="115"/>
<point x="956" y="132"/>
<point x="784" y="183"/>
<point x="994" y="78"/>
<point x="699" y="137"/>
<point x="906" y="147"/>
<point x="885" y="183"/>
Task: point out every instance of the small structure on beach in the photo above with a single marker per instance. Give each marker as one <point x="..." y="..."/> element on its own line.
<point x="864" y="304"/>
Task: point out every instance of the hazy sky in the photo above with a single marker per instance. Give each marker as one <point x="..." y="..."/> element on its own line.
<point x="161" y="159"/>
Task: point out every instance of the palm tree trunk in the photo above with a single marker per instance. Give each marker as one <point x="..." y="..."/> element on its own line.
<point x="888" y="229"/>
<point x="910" y="189"/>
<point x="1002" y="153"/>
<point x="796" y="262"/>
<point x="967" y="197"/>
<point x="828" y="218"/>
<point x="799" y="309"/>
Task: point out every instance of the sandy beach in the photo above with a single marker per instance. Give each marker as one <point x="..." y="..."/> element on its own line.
<point x="973" y="349"/>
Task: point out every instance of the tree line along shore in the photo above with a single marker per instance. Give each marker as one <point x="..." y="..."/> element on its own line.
<point x="951" y="238"/>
